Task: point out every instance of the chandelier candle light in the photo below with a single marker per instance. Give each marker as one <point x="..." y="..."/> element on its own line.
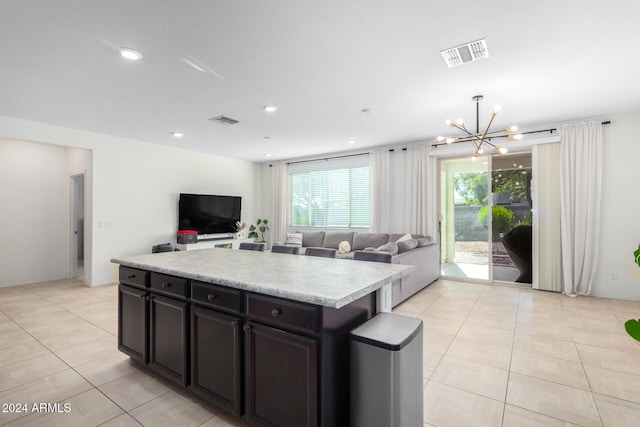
<point x="478" y="138"/>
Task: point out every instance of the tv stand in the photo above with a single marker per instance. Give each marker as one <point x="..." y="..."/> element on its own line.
<point x="212" y="243"/>
<point x="217" y="236"/>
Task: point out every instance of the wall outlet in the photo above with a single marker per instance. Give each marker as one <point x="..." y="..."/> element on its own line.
<point x="614" y="276"/>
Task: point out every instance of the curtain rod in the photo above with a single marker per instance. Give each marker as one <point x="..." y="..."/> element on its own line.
<point x="335" y="157"/>
<point x="606" y="122"/>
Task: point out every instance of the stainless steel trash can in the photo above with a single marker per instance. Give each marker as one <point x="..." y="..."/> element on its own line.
<point x="386" y="372"/>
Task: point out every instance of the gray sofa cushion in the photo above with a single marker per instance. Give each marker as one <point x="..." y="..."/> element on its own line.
<point x="391" y="247"/>
<point x="368" y="240"/>
<point x="332" y="239"/>
<point x="407" y="245"/>
<point x="313" y="239"/>
<point x="423" y="241"/>
<point x="394" y="237"/>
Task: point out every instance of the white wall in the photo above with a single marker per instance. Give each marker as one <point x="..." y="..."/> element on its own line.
<point x="620" y="221"/>
<point x="135" y="188"/>
<point x="34" y="213"/>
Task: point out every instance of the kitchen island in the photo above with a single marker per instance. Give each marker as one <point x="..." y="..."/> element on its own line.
<point x="263" y="335"/>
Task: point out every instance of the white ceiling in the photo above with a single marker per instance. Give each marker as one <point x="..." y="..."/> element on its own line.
<point x="320" y="62"/>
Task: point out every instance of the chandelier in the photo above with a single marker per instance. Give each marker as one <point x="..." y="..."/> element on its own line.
<point x="478" y="139"/>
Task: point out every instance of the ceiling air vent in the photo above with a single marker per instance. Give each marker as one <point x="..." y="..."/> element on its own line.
<point x="224" y="120"/>
<point x="467" y="52"/>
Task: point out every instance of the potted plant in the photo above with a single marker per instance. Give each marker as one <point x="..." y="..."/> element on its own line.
<point x="257" y="231"/>
<point x="633" y="326"/>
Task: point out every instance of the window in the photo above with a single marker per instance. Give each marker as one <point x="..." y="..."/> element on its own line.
<point x="330" y="198"/>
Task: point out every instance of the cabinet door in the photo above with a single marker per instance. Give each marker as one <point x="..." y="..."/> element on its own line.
<point x="216" y="357"/>
<point x="281" y="378"/>
<point x="168" y="337"/>
<point x="133" y="322"/>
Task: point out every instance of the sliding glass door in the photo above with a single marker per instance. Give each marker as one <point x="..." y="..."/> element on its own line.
<point x="511" y="218"/>
<point x="464" y="192"/>
<point x="485" y="218"/>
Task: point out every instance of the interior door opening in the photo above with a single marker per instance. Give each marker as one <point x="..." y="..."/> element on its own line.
<point x="77" y="226"/>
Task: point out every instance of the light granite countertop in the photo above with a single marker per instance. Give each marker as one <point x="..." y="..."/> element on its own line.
<point x="321" y="281"/>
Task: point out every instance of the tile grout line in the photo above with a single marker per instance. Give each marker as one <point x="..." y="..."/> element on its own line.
<point x="513" y="343"/>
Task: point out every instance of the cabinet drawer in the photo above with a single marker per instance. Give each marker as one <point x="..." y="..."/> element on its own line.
<point x="133" y="276"/>
<point x="170" y="285"/>
<point x="280" y="312"/>
<point x="216" y="296"/>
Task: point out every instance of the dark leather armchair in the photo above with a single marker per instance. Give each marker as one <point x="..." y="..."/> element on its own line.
<point x="517" y="242"/>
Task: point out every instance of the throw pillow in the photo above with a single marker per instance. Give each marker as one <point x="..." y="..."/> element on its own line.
<point x="423" y="241"/>
<point x="392" y="248"/>
<point x="405" y="237"/>
<point x="407" y="245"/>
<point x="344" y="247"/>
<point x="294" y="239"/>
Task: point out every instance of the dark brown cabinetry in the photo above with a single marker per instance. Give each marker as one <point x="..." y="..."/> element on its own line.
<point x="133" y="313"/>
<point x="281" y="377"/>
<point x="132" y="322"/>
<point x="168" y="320"/>
<point x="216" y="345"/>
<point x="271" y="360"/>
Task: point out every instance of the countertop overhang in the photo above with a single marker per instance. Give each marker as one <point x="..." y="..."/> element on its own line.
<point x="322" y="281"/>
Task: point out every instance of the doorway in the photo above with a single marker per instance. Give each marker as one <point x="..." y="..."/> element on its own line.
<point x="77" y="226"/>
<point x="485" y="212"/>
<point x="464" y="192"/>
<point x="511" y="178"/>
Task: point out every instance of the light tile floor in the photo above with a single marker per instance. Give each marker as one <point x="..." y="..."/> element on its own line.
<point x="493" y="356"/>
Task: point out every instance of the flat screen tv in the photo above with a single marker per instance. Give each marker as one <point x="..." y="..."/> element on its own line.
<point x="208" y="214"/>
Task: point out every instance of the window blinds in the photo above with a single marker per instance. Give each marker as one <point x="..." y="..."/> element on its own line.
<point x="336" y="198"/>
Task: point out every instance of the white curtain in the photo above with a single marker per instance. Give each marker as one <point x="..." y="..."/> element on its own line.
<point x="547" y="258"/>
<point x="421" y="185"/>
<point x="581" y="181"/>
<point x="280" y="205"/>
<point x="380" y="191"/>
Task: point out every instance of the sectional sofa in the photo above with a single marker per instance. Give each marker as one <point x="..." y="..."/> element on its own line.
<point x="416" y="250"/>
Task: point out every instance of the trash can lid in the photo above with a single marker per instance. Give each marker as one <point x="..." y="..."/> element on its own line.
<point x="388" y="330"/>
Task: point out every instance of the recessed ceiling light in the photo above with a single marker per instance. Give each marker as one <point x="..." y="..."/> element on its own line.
<point x="270" y="108"/>
<point x="267" y="155"/>
<point x="352" y="141"/>
<point x="177" y="134"/>
<point x="129" y="53"/>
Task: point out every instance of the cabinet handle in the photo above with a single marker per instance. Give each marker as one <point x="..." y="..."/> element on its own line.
<point x="131" y="276"/>
<point x="211" y="297"/>
<point x="276" y="312"/>
<point x="143" y="295"/>
<point x="246" y="328"/>
<point x="166" y="285"/>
